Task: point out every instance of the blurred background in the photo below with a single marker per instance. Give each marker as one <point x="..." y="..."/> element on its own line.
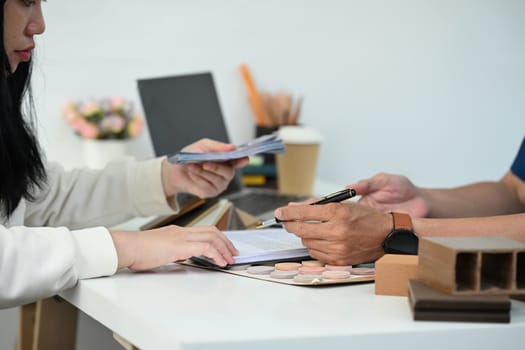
<point x="431" y="89"/>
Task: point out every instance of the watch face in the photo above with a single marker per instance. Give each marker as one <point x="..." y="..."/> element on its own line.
<point x="401" y="242"/>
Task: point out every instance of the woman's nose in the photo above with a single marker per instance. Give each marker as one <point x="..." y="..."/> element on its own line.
<point x="37" y="24"/>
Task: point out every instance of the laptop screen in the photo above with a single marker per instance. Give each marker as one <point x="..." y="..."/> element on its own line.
<point x="180" y="110"/>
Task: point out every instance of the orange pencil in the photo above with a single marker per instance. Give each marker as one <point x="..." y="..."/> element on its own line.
<point x="294" y="117"/>
<point x="255" y="100"/>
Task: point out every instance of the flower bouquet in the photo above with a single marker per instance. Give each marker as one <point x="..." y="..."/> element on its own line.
<point x="111" y="118"/>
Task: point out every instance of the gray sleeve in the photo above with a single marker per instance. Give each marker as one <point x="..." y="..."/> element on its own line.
<point x="86" y="197"/>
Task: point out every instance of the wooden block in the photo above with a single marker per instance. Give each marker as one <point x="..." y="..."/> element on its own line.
<point x="55" y="325"/>
<point x="26" y="329"/>
<point x="392" y="273"/>
<point x="429" y="304"/>
<point x="472" y="265"/>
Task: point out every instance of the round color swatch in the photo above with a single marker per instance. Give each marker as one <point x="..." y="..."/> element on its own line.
<point x="307" y="279"/>
<point x="240" y="267"/>
<point x="278" y="274"/>
<point x="287" y="266"/>
<point x="311" y="270"/>
<point x="363" y="271"/>
<point x="259" y="270"/>
<point x="338" y="267"/>
<point x="312" y="263"/>
<point x="336" y="274"/>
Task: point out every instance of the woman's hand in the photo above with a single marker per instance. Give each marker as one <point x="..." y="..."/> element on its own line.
<point x="204" y="180"/>
<point x="387" y="192"/>
<point x="145" y="250"/>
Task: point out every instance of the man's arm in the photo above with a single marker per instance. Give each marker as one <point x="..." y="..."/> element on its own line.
<point x="506" y="196"/>
<point x="351" y="233"/>
<point x="509" y="226"/>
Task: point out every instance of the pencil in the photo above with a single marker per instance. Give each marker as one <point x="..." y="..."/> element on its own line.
<point x="255" y="100"/>
<point x="294" y="118"/>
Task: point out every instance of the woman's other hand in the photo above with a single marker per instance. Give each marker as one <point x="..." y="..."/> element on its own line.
<point x="204" y="180"/>
<point x="145" y="250"/>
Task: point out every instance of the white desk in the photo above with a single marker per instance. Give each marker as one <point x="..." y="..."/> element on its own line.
<point x="181" y="307"/>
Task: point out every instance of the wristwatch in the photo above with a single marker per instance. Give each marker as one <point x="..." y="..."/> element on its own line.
<point x="402" y="239"/>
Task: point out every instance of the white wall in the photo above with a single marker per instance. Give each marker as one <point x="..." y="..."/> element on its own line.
<point x="431" y="89"/>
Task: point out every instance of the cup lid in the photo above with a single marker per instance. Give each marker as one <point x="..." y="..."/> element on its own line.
<point x="297" y="134"/>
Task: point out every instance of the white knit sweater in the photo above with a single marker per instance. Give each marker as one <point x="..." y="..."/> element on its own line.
<point x="47" y="245"/>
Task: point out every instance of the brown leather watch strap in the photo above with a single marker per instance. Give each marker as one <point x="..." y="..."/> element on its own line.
<point x="402" y="221"/>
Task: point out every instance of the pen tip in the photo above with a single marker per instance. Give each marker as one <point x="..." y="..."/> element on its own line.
<point x="260" y="224"/>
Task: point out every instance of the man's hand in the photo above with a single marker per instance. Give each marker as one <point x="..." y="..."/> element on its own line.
<point x="338" y="233"/>
<point x="388" y="193"/>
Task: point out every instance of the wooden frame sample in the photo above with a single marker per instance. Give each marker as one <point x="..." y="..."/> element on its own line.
<point x="472" y="265"/>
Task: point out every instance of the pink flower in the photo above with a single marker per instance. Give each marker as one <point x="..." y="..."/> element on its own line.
<point x="113" y="123"/>
<point x="104" y="118"/>
<point x="70" y="113"/>
<point x="135" y="126"/>
<point x="71" y="116"/>
<point x="117" y="103"/>
<point x="90" y="108"/>
<point x="85" y="129"/>
<point x="89" y="131"/>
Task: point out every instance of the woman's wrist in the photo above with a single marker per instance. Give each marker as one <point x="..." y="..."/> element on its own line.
<point x="166" y="172"/>
<point x="125" y="247"/>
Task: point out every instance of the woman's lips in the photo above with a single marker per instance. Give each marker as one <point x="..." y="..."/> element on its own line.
<point x="25" y="55"/>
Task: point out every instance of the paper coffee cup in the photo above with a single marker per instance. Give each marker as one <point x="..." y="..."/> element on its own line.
<point x="297" y="167"/>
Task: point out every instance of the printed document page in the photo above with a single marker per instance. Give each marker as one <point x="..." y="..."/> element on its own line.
<point x="256" y="246"/>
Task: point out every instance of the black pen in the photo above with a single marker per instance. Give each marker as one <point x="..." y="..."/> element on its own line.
<point x="335" y="197"/>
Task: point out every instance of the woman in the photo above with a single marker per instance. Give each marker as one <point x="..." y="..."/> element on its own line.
<point x="45" y="246"/>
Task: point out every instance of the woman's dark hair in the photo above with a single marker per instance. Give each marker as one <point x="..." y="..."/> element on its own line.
<point x="21" y="166"/>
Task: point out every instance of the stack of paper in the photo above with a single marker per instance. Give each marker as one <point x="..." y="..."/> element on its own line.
<point x="258" y="246"/>
<point x="265" y="144"/>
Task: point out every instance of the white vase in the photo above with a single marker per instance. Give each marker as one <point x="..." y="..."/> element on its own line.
<point x="97" y="153"/>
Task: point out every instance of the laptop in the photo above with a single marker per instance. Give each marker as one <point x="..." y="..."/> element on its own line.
<point x="180" y="110"/>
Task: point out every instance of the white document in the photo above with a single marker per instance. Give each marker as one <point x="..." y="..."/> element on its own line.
<point x="257" y="246"/>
